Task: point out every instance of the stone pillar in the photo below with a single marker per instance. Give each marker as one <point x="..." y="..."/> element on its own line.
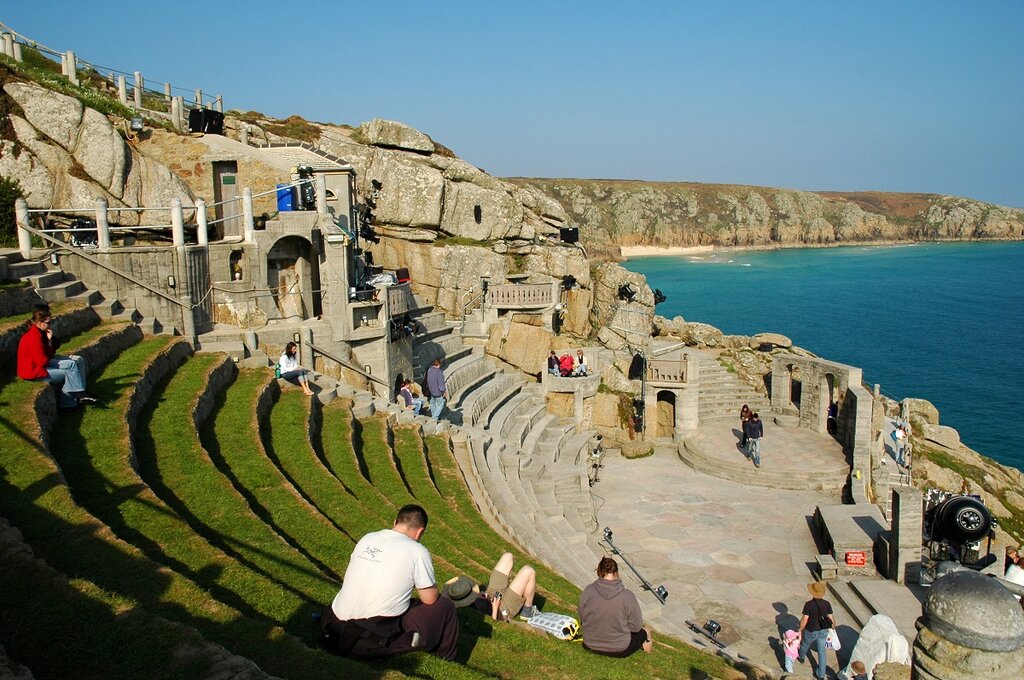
<point x="188" y="322"/>
<point x="21" y="217"/>
<point x="202" y="236"/>
<point x="247" y="223"/>
<point x="102" y="225"/>
<point x="971" y="628"/>
<point x="167" y="92"/>
<point x="321" y="195"/>
<point x="218" y="103"/>
<point x="64" y="65"/>
<point x="72" y="68"/>
<point x="244" y="135"/>
<point x="177" y="222"/>
<point x="175" y="112"/>
<point x="907" y="526"/>
<point x="139" y="85"/>
<point x="305" y="351"/>
<point x="122" y="90"/>
<point x="199" y="98"/>
<point x="17" y="51"/>
<point x="9" y="45"/>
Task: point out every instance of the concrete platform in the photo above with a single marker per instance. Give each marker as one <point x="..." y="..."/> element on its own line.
<point x="850" y="529"/>
<point x="790" y="458"/>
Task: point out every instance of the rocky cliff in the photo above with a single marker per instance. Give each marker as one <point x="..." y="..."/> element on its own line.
<point x="614" y="213"/>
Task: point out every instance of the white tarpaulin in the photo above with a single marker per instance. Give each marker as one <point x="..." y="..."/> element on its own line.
<point x="880" y="641"/>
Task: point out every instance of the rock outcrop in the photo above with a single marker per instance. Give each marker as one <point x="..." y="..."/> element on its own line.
<point x="66" y="155"/>
<point x="623" y="213"/>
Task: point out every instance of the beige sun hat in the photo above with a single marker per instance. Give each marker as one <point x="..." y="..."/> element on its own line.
<point x="816" y="589"/>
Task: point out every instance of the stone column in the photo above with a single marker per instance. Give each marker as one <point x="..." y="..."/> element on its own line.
<point x="188" y="322"/>
<point x="247" y="223"/>
<point x="102" y="225"/>
<point x="72" y="68"/>
<point x="972" y="628"/>
<point x="9" y="45"/>
<point x="202" y="236"/>
<point x="167" y="92"/>
<point x="907" y="526"/>
<point x="244" y="135"/>
<point x="321" y="195"/>
<point x="17" y="51"/>
<point x="176" y="113"/>
<point x="139" y="85"/>
<point x="122" y="90"/>
<point x="218" y="103"/>
<point x="177" y="222"/>
<point x="24" y="238"/>
<point x="64" y="65"/>
<point x="199" y="98"/>
<point x="305" y="351"/>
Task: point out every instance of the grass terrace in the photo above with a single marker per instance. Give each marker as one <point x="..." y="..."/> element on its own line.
<point x="201" y="509"/>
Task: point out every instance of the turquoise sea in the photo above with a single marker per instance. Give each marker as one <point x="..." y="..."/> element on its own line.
<point x="936" y="321"/>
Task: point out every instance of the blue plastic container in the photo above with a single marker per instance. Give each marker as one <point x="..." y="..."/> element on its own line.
<point x="285" y="198"/>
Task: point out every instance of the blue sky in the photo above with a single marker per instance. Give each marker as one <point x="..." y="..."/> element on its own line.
<point x="897" y="96"/>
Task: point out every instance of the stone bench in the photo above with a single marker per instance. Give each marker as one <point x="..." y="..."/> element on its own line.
<point x="827" y="567"/>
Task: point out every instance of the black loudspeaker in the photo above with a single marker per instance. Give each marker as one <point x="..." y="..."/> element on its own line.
<point x="569" y="234"/>
<point x="207" y="121"/>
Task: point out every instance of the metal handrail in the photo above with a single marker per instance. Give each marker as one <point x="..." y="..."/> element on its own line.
<point x="99" y="263"/>
<point x="347" y="365"/>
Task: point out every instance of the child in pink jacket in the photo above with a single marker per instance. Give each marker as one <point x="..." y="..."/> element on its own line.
<point x="791" y="647"/>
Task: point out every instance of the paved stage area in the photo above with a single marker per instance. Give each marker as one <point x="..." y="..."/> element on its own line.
<point x="738" y="553"/>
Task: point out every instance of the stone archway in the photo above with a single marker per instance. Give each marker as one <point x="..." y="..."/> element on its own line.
<point x="796" y="386"/>
<point x="665" y="411"/>
<point x="828" y="394"/>
<point x="289" y="277"/>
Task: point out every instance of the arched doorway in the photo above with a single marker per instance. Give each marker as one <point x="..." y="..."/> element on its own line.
<point x="288" y="277"/>
<point x="796" y="386"/>
<point x="666" y="414"/>
<point x="828" y="405"/>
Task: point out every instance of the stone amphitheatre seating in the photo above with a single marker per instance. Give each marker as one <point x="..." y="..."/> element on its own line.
<point x="196" y="521"/>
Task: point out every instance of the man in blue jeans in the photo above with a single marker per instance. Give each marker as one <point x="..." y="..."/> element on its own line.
<point x="815" y="623"/>
<point x="754" y="430"/>
<point x="438" y="389"/>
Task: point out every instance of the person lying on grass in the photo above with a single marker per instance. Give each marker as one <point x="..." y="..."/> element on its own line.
<point x="505" y="597"/>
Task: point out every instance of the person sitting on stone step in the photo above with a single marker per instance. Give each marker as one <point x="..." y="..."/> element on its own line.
<point x="290" y="369"/>
<point x="38" y="360"/>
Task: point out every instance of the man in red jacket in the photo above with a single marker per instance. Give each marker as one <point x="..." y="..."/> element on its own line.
<point x="38" y="360"/>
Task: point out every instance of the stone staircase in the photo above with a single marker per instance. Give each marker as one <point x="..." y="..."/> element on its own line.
<point x="523" y="465"/>
<point x="53" y="285"/>
<point x="722" y="394"/>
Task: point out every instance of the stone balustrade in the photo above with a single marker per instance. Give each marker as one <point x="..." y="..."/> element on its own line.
<point x="520" y="295"/>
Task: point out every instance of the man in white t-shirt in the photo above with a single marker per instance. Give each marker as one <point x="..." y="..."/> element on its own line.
<point x="373" y="615"/>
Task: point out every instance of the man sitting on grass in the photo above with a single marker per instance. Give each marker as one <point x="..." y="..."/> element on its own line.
<point x="506" y="597"/>
<point x="372" y="616"/>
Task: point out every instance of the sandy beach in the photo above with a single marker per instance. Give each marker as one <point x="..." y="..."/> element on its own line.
<point x="645" y="251"/>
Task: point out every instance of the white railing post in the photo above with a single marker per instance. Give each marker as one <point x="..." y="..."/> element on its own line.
<point x="24" y="238"/>
<point x="201" y="226"/>
<point x="122" y="90"/>
<point x="177" y="222"/>
<point x="9" y="45"/>
<point x="321" y="194"/>
<point x="17" y="51"/>
<point x="199" y="98"/>
<point x="244" y="135"/>
<point x="102" y="225"/>
<point x="138" y="90"/>
<point x="167" y="92"/>
<point x="247" y="215"/>
<point x="64" y="65"/>
<point x="72" y="68"/>
<point x="176" y="113"/>
<point x="218" y="103"/>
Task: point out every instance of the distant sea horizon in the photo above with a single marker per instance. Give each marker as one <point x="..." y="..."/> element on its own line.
<point x="937" y="321"/>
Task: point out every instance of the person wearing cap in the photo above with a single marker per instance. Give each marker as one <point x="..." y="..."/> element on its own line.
<point x="815" y="622"/>
<point x="373" y="615"/>
<point x="505" y="598"/>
